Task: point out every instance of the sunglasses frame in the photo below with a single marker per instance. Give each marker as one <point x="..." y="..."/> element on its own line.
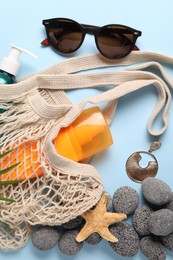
<point x="88" y="29"/>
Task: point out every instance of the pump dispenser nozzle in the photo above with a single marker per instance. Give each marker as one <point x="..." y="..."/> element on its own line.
<point x="10" y="64"/>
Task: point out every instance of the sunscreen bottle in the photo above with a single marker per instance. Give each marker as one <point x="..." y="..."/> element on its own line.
<point x="9" y="65"/>
<point x="86" y="136"/>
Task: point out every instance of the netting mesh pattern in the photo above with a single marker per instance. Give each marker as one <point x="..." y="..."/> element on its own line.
<point x="45" y="195"/>
<point x="13" y="237"/>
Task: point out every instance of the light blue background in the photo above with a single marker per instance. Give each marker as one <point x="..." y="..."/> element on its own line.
<point x="21" y="24"/>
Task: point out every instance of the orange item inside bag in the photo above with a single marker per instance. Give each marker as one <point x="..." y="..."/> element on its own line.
<point x="86" y="136"/>
<point x="28" y="156"/>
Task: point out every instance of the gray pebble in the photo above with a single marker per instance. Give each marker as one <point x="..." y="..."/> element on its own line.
<point x="140" y="220"/>
<point x="128" y="240"/>
<point x="160" y="222"/>
<point x="45" y="237"/>
<point x="93" y="239"/>
<point x="156" y="191"/>
<point x="170" y="204"/>
<point x="160" y="257"/>
<point x="125" y="200"/>
<point x="73" y="223"/>
<point x="152" y="248"/>
<point x="167" y="241"/>
<point x="68" y="244"/>
<point x="109" y="202"/>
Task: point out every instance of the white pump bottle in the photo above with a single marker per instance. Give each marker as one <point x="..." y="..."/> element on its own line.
<point x="9" y="66"/>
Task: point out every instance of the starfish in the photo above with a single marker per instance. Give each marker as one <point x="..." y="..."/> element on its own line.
<point x="98" y="220"/>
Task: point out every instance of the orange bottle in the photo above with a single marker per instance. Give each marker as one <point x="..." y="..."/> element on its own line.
<point x="86" y="136"/>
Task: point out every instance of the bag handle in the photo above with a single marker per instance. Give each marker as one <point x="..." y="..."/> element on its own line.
<point x="27" y="84"/>
<point x="110" y="78"/>
<point x="93" y="61"/>
<point x="61" y="82"/>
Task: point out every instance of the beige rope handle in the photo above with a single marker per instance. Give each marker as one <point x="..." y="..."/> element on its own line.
<point x="62" y="82"/>
<point x="74" y="65"/>
<point x="71" y="81"/>
<point x="93" y="61"/>
<point x="95" y="80"/>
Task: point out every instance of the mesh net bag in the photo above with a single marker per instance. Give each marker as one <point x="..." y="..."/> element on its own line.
<point x="47" y="195"/>
<point x="54" y="189"/>
<point x="14" y="236"/>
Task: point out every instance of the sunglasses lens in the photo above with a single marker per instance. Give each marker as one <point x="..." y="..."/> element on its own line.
<point x="65" y="35"/>
<point x="115" y="41"/>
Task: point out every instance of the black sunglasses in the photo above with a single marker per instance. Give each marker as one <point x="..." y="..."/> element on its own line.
<point x="113" y="41"/>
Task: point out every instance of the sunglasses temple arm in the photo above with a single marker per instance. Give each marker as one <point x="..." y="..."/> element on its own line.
<point x="45" y="42"/>
<point x="135" y="48"/>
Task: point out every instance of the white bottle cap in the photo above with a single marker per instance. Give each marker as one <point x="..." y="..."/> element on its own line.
<point x="10" y="64"/>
